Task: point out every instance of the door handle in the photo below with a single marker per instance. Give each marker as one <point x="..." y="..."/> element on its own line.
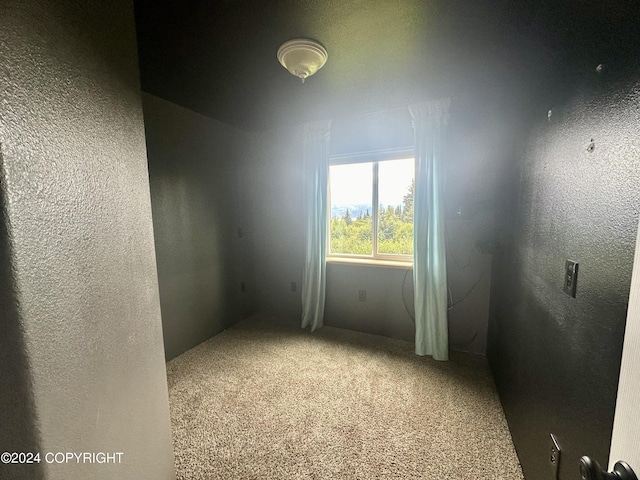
<point x="591" y="470"/>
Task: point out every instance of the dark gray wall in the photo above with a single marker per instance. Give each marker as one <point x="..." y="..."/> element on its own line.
<point x="197" y="196"/>
<point x="480" y="140"/>
<point x="82" y="362"/>
<point x="388" y="290"/>
<point x="556" y="359"/>
<point x="275" y="196"/>
<point x="17" y="405"/>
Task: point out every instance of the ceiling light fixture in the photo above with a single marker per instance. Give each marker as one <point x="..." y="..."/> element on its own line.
<point x="302" y="57"/>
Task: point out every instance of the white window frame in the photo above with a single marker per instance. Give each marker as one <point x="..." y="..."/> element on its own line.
<point x="374" y="157"/>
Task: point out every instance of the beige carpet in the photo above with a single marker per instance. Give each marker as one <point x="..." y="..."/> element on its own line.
<point x="268" y="401"/>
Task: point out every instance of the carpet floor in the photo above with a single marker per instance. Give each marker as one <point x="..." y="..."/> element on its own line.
<point x="263" y="400"/>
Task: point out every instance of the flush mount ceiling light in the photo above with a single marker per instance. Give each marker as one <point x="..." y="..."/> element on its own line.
<point x="302" y="57"/>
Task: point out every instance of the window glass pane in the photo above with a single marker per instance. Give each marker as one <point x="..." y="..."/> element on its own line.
<point x="395" y="214"/>
<point x="351" y="214"/>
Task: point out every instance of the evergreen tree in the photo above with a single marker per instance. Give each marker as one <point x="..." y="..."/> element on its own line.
<point x="407" y="204"/>
<point x="347" y="217"/>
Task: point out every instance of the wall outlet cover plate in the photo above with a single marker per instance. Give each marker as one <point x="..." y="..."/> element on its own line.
<point x="554" y="456"/>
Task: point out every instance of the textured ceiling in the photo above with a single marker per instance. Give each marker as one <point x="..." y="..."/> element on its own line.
<point x="219" y="57"/>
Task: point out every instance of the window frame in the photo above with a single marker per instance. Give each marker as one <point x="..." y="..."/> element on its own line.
<point x="374" y="157"/>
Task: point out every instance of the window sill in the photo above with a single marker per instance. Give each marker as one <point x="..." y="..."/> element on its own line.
<point x="370" y="261"/>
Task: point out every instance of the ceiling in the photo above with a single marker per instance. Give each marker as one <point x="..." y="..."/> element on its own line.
<point x="218" y="57"/>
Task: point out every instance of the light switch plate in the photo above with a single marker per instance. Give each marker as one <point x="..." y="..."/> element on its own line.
<point x="570" y="277"/>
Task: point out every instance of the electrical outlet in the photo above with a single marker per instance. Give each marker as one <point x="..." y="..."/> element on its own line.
<point x="243" y="287"/>
<point x="293" y="286"/>
<point x="240" y="232"/>
<point x="554" y="456"/>
<point x="362" y="295"/>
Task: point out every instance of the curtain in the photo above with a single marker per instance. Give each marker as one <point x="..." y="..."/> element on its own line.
<point x="429" y="256"/>
<point x="316" y="171"/>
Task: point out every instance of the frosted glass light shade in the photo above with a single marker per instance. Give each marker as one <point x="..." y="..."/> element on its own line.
<point x="302" y="57"/>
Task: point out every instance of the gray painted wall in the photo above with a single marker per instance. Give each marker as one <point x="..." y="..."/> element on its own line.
<point x="383" y="312"/>
<point x="480" y="139"/>
<point x="556" y="359"/>
<point x="277" y="221"/>
<point x="197" y="194"/>
<point x="82" y="362"/>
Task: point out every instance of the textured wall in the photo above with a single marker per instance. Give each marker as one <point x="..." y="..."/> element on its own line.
<point x="17" y="405"/>
<point x="197" y="196"/>
<point x="480" y="138"/>
<point x="275" y="195"/>
<point x="557" y="358"/>
<point x="79" y="273"/>
<point x="278" y="221"/>
<point x="383" y="312"/>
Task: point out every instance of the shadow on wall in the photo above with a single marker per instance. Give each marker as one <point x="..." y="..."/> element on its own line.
<point x="17" y="409"/>
<point x="196" y="202"/>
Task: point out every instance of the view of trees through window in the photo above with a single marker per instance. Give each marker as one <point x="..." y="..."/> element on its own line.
<point x="352" y="189"/>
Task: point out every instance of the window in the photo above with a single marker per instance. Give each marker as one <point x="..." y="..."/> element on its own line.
<point x="371" y="200"/>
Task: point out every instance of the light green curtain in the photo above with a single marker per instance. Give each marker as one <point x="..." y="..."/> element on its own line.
<point x="429" y="257"/>
<point x="316" y="171"/>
